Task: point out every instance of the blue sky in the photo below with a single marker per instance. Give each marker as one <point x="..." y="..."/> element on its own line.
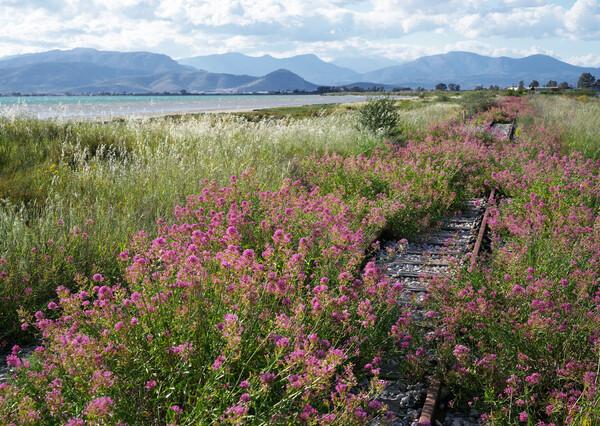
<point x="401" y="30"/>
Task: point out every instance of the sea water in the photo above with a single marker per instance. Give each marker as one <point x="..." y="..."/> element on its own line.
<point x="44" y="107"/>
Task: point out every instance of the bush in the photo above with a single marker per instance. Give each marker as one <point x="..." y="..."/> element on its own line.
<point x="379" y="115"/>
<point x="477" y="102"/>
<point x="442" y="97"/>
<point x="580" y="92"/>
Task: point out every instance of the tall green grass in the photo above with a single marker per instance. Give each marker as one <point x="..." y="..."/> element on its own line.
<point x="577" y="116"/>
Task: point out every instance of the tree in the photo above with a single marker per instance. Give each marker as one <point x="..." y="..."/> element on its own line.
<point x="324" y="89"/>
<point x="534" y="84"/>
<point x="585" y="80"/>
<point x="480" y="87"/>
<point x="441" y="86"/>
<point x="521" y="85"/>
<point x="454" y="87"/>
<point x="551" y="83"/>
<point x="564" y="85"/>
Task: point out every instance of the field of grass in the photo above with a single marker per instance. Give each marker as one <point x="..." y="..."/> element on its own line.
<point x="578" y="117"/>
<point x="110" y="180"/>
<point x="208" y="269"/>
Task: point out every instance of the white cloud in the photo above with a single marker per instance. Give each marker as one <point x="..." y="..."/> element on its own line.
<point x="591" y="60"/>
<point x="537" y="19"/>
<point x="523" y="3"/>
<point x="539" y="22"/>
<point x="582" y="21"/>
<point x="279" y="27"/>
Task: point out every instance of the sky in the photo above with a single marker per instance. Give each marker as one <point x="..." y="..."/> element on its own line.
<point x="400" y="30"/>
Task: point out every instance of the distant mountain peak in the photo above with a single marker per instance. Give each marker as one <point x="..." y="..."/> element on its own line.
<point x="471" y="69"/>
<point x="308" y="66"/>
<point x="83" y="69"/>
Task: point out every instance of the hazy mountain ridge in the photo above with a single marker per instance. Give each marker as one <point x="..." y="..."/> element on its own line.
<point x="464" y="68"/>
<point x="470" y="69"/>
<point x="201" y="81"/>
<point x="55" y="77"/>
<point x="135" y="62"/>
<point x="309" y="67"/>
<point x="364" y="64"/>
<point x="82" y="70"/>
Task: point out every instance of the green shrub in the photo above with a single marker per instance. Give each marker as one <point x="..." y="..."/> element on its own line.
<point x="442" y="97"/>
<point x="591" y="93"/>
<point x="379" y="115"/>
<point x="477" y="102"/>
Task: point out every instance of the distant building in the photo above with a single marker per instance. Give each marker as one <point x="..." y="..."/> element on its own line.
<point x="548" y="89"/>
<point x="539" y="89"/>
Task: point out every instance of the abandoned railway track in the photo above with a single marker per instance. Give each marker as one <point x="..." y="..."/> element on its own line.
<point x="414" y="264"/>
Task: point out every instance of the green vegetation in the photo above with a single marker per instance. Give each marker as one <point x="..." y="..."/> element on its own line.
<point x="296" y="112"/>
<point x="107" y="181"/>
<point x="578" y="119"/>
<point x="477" y="102"/>
<point x="248" y="301"/>
<point x="379" y="115"/>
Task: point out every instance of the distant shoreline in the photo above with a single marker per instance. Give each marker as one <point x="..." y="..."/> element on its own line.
<point x="147" y="115"/>
<point x="91" y="95"/>
<point x="111" y="107"/>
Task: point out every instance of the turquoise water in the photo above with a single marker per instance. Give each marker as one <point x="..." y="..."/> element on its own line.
<point x="106" y="106"/>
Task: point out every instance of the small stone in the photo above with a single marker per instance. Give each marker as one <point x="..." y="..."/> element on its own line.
<point x="404" y="402"/>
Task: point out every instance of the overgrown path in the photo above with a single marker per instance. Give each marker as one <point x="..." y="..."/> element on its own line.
<point x="252" y="306"/>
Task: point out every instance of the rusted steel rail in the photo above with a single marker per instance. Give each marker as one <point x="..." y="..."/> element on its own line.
<point x="482" y="228"/>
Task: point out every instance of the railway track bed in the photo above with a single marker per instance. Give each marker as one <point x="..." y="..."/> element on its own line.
<point x="413" y="264"/>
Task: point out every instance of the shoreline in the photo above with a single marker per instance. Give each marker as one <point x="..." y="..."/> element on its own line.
<point x="138" y="109"/>
<point x="159" y="114"/>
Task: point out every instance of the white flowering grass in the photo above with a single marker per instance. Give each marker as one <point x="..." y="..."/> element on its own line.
<point x="159" y="162"/>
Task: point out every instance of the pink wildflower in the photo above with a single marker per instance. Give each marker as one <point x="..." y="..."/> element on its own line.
<point x="99" y="407"/>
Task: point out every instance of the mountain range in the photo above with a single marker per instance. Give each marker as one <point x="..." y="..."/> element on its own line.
<point x="310" y="67"/>
<point x="85" y="70"/>
<point x="470" y="70"/>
